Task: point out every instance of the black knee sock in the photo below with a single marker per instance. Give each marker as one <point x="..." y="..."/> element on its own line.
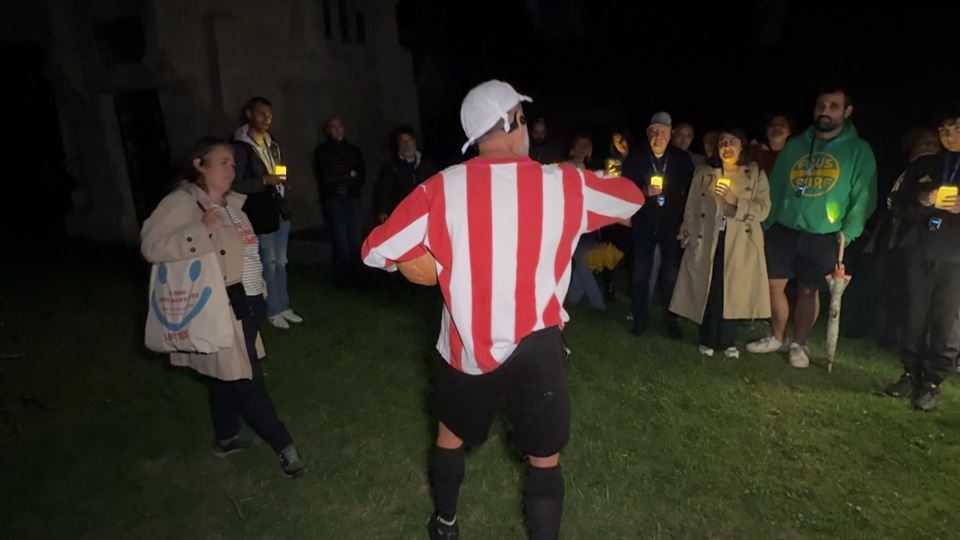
<point x="446" y="474"/>
<point x="543" y="502"/>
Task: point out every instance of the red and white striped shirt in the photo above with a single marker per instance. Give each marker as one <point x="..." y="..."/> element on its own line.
<point x="503" y="232"/>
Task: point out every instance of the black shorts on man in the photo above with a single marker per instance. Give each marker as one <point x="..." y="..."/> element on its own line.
<point x="807" y="257"/>
<point x="531" y="383"/>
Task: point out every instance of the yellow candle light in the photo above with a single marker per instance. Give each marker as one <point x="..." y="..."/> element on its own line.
<point x="280" y="170"/>
<point x="656" y="181"/>
<point x="723" y="182"/>
<point x="943" y="193"/>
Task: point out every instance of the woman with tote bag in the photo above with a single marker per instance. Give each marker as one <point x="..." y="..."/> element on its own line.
<point x="200" y="217"/>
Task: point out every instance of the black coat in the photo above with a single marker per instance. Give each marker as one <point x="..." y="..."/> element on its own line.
<point x="545" y="153"/>
<point x="332" y="163"/>
<point x="264" y="204"/>
<point x="676" y="167"/>
<point x="927" y="174"/>
<point x="398" y="178"/>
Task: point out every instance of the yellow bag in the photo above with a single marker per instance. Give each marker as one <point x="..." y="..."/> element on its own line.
<point x="604" y="256"/>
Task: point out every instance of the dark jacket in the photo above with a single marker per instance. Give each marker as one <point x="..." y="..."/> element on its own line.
<point x="927" y="174"/>
<point x="332" y="163"/>
<point x="676" y="167"/>
<point x="264" y="205"/>
<point x="398" y="178"/>
<point x="545" y="152"/>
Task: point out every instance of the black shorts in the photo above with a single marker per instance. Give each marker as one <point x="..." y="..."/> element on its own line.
<point x="531" y="383"/>
<point x="806" y="257"/>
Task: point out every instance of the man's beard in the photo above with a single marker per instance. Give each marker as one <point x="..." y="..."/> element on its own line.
<point x="825" y="123"/>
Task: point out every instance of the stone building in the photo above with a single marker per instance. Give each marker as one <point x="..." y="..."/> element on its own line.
<point x="137" y="82"/>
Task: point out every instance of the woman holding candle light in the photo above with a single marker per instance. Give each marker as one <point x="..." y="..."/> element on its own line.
<point x="723" y="270"/>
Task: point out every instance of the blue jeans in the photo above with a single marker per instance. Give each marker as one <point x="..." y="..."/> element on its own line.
<point x="273" y="255"/>
<point x="583" y="282"/>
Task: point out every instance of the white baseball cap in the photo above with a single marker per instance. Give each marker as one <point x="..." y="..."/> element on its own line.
<point x="484" y="105"/>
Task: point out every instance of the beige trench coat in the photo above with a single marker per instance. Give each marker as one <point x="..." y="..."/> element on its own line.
<point x="746" y="294"/>
<point x="174" y="232"/>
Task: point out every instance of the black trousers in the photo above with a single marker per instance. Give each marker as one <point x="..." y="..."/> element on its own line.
<point x="248" y="399"/>
<point x="344" y="219"/>
<point x="930" y="345"/>
<point x="645" y="242"/>
<point x="715" y="331"/>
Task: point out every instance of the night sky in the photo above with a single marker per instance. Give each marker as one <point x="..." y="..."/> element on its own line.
<point x="591" y="65"/>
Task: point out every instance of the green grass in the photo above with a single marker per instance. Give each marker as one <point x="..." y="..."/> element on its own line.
<point x="102" y="440"/>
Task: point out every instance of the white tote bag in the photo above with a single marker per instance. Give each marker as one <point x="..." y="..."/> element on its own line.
<point x="189" y="310"/>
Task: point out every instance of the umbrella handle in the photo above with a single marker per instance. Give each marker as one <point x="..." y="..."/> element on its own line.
<point x="842" y="242"/>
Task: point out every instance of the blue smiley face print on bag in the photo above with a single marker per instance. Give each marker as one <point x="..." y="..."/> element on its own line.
<point x="174" y="307"/>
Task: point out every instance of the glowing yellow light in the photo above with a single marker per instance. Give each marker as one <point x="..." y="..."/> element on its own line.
<point x="280" y="170"/>
<point x="944" y="193"/>
<point x="723" y="182"/>
<point x="656" y="181"/>
<point x="833" y="211"/>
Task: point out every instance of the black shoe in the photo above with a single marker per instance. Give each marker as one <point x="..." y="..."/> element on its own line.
<point x="903" y="388"/>
<point x="440" y="531"/>
<point x="929" y="397"/>
<point x="232" y="446"/>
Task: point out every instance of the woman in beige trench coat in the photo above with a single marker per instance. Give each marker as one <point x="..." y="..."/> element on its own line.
<point x="723" y="271"/>
<point x="203" y="216"/>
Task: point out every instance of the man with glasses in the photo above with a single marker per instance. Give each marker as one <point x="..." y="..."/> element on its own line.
<point x="499" y="230"/>
<point x="664" y="173"/>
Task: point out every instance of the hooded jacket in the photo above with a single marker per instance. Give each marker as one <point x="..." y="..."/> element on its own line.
<point x="824" y="187"/>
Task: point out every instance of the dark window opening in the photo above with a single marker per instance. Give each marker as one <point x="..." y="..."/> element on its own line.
<point x="361" y="29"/>
<point x="327" y="26"/>
<point x="344" y="21"/>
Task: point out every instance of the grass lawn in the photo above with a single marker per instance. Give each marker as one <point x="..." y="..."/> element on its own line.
<point x="99" y="439"/>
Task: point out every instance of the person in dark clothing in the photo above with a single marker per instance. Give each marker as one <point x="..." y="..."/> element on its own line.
<point x="340" y="172"/>
<point x="541" y="150"/>
<point x="402" y="173"/>
<point x="884" y="299"/>
<point x="664" y="173"/>
<point x="928" y="194"/>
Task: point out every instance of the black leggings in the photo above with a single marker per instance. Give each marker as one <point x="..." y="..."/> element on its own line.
<point x="248" y="398"/>
<point x="715" y="331"/>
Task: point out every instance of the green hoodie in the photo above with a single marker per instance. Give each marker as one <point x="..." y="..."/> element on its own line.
<point x="838" y="193"/>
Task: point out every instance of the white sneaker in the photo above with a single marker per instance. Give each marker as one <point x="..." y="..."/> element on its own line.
<point x="290" y="316"/>
<point x="279" y="322"/>
<point x="768" y="344"/>
<point x="731" y="352"/>
<point x="704" y="350"/>
<point x="799" y="356"/>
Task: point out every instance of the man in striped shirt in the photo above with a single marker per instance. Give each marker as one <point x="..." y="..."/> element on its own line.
<point x="502" y="229"/>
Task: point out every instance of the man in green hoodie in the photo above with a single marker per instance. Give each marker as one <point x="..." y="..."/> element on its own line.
<point x="824" y="183"/>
